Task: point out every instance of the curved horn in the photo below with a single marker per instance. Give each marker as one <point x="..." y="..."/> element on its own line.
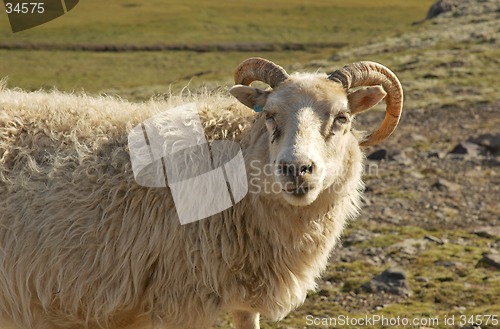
<point x="259" y="69"/>
<point x="370" y="74"/>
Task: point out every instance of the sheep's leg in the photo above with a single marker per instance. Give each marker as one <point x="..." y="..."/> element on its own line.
<point x="246" y="320"/>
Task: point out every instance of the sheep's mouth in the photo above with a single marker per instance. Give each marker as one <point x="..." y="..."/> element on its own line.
<point x="299" y="191"/>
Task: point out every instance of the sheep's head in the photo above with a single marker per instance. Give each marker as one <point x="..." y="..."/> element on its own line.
<point x="308" y="119"/>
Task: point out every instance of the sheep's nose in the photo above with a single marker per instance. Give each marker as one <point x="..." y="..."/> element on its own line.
<point x="295" y="169"/>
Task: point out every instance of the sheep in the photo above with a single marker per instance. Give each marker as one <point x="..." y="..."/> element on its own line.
<point x="83" y="245"/>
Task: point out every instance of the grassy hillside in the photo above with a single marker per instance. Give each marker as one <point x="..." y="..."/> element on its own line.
<point x="139" y="74"/>
<point x="138" y="22"/>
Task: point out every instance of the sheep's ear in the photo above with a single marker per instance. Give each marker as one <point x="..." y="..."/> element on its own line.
<point x="365" y="98"/>
<point x="250" y="96"/>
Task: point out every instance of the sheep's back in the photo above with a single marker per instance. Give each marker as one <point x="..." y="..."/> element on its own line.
<point x="72" y="218"/>
<point x="43" y="135"/>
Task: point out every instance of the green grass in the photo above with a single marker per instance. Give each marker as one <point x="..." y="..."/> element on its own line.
<point x="140" y="74"/>
<point x="156" y="21"/>
<point x="135" y="75"/>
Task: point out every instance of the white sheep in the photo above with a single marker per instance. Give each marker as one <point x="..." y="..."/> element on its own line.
<point x="82" y="245"/>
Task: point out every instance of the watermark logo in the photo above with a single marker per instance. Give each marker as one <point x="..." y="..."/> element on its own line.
<point x="170" y="149"/>
<point x="25" y="14"/>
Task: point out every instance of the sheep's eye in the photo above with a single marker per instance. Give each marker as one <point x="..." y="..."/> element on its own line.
<point x="275" y="135"/>
<point x="273" y="127"/>
<point x="341" y="118"/>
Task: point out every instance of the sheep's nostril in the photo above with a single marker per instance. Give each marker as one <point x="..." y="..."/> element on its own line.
<point x="306" y="169"/>
<point x="290" y="169"/>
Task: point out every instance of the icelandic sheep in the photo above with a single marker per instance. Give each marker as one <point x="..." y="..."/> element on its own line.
<point x="83" y="245"/>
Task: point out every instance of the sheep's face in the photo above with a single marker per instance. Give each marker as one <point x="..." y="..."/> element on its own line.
<point x="308" y="122"/>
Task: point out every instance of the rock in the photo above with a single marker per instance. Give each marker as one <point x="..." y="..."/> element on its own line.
<point x="387" y="213"/>
<point x="409" y="246"/>
<point x="392" y="280"/>
<point x="357" y="237"/>
<point x="372" y="251"/>
<point x="436" y="154"/>
<point x="468" y="148"/>
<point x="378" y="155"/>
<point x="442" y="6"/>
<point x="422" y="279"/>
<point x="448" y="263"/>
<point x="418" y="138"/>
<point x="490" y="141"/>
<point x="383" y="154"/>
<point x="416" y="175"/>
<point x="401" y="158"/>
<point x="488" y="231"/>
<point x="490" y="260"/>
<point x="434" y="239"/>
<point x="446" y="186"/>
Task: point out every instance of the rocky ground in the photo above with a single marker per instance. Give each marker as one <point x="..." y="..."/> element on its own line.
<point x="427" y="243"/>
